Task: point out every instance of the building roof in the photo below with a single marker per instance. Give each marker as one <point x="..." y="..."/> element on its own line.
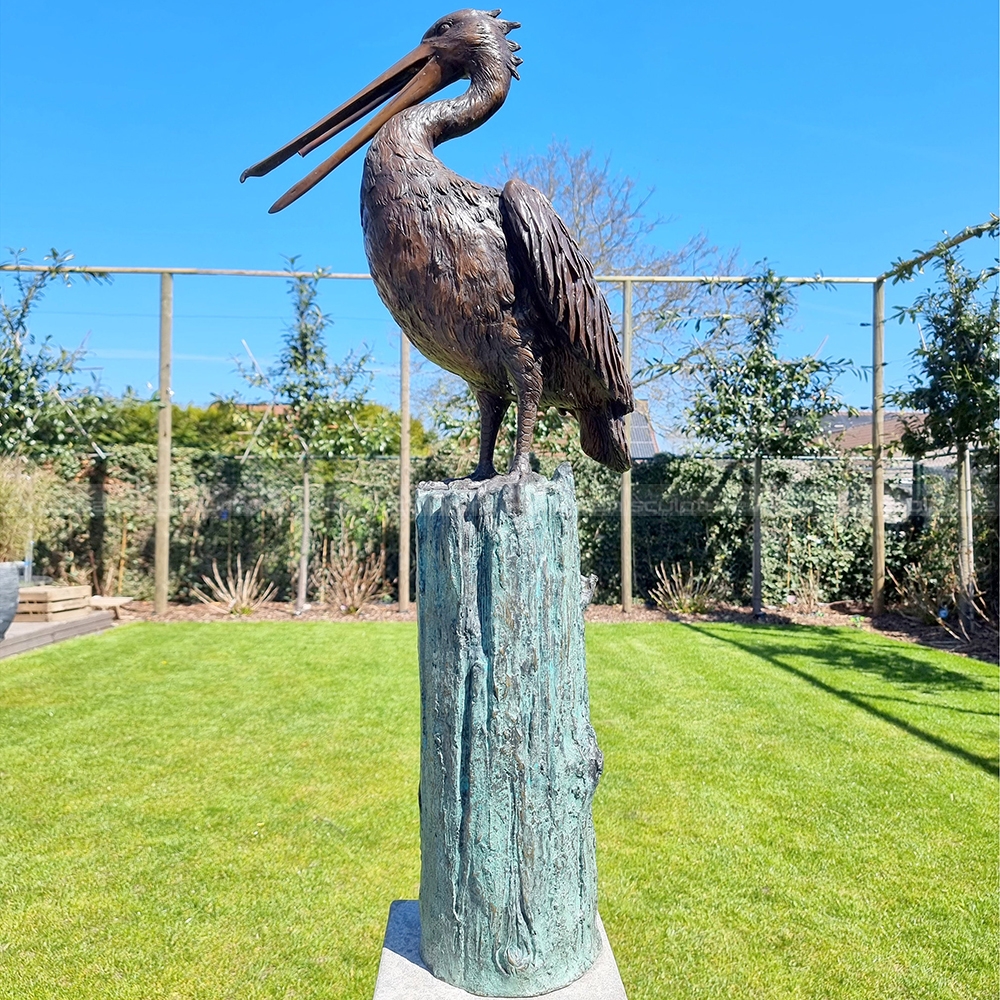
<point x="849" y="433"/>
<point x="642" y="437"/>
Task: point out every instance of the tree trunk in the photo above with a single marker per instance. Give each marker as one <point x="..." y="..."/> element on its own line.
<point x="757" y="575"/>
<point x="966" y="558"/>
<point x="300" y="599"/>
<point x="508" y="760"/>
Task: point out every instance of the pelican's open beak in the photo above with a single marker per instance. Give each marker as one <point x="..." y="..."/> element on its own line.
<point x="414" y="78"/>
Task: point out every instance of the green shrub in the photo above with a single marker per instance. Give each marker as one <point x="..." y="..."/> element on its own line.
<point x="689" y="510"/>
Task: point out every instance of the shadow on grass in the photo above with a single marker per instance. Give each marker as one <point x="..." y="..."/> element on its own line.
<point x="866" y="662"/>
<point x="924" y="704"/>
<point x="887" y="659"/>
<point x="898" y="667"/>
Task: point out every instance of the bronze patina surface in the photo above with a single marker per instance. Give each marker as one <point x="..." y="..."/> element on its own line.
<point x="486" y="283"/>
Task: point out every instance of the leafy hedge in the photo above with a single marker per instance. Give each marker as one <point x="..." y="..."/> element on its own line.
<point x="102" y="531"/>
<point x="816" y="539"/>
<point x="816" y="524"/>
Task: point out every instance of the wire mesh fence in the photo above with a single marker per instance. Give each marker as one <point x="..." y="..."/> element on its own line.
<point x="688" y="510"/>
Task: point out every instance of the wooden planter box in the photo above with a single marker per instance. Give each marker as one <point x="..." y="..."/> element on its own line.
<point x="52" y="604"/>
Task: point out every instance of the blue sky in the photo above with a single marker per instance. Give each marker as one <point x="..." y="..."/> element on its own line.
<point x="829" y="138"/>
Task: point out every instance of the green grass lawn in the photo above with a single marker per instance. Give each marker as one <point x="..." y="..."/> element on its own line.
<point x="227" y="811"/>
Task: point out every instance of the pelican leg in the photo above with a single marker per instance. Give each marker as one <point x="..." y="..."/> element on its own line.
<point x="492" y="410"/>
<point x="528" y="384"/>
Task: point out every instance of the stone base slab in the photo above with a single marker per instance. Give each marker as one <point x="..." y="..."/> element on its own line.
<point x="402" y="974"/>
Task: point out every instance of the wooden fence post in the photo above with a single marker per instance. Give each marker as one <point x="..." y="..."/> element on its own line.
<point x="404" y="473"/>
<point x="161" y="551"/>
<point x="878" y="474"/>
<point x="626" y="501"/>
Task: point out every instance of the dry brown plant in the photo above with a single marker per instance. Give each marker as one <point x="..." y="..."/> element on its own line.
<point x="924" y="598"/>
<point x="239" y="595"/>
<point x="805" y="597"/>
<point x="687" y="593"/>
<point x="351" y="578"/>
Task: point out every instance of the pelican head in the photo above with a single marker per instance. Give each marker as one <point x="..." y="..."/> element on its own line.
<point x="457" y="46"/>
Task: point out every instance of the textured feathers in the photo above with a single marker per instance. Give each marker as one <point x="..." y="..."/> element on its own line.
<point x="547" y="257"/>
<point x="603" y="438"/>
<point x="548" y="261"/>
<point x="489" y="284"/>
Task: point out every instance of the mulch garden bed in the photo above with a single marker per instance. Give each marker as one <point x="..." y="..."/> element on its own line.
<point x="984" y="644"/>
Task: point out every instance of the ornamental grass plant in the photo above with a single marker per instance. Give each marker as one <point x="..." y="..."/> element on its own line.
<point x="686" y="591"/>
<point x="25" y="498"/>
<point x="242" y="594"/>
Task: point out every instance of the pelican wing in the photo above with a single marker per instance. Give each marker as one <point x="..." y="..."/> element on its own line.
<point x="563" y="282"/>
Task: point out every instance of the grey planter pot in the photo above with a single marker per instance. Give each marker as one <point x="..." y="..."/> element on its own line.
<point x="9" y="581"/>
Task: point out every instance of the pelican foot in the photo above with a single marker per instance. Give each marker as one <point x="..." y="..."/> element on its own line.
<point x="520" y="468"/>
<point x="483" y="472"/>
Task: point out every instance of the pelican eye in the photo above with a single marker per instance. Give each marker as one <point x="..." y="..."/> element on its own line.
<point x="443" y="28"/>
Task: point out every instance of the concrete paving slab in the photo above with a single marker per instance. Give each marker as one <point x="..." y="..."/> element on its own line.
<point x="402" y="974"/>
<point x="23" y="636"/>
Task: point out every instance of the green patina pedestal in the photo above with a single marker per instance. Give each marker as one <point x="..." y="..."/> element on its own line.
<point x="509" y="761"/>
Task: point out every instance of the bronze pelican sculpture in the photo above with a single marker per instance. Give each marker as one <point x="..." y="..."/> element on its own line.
<point x="487" y="284"/>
